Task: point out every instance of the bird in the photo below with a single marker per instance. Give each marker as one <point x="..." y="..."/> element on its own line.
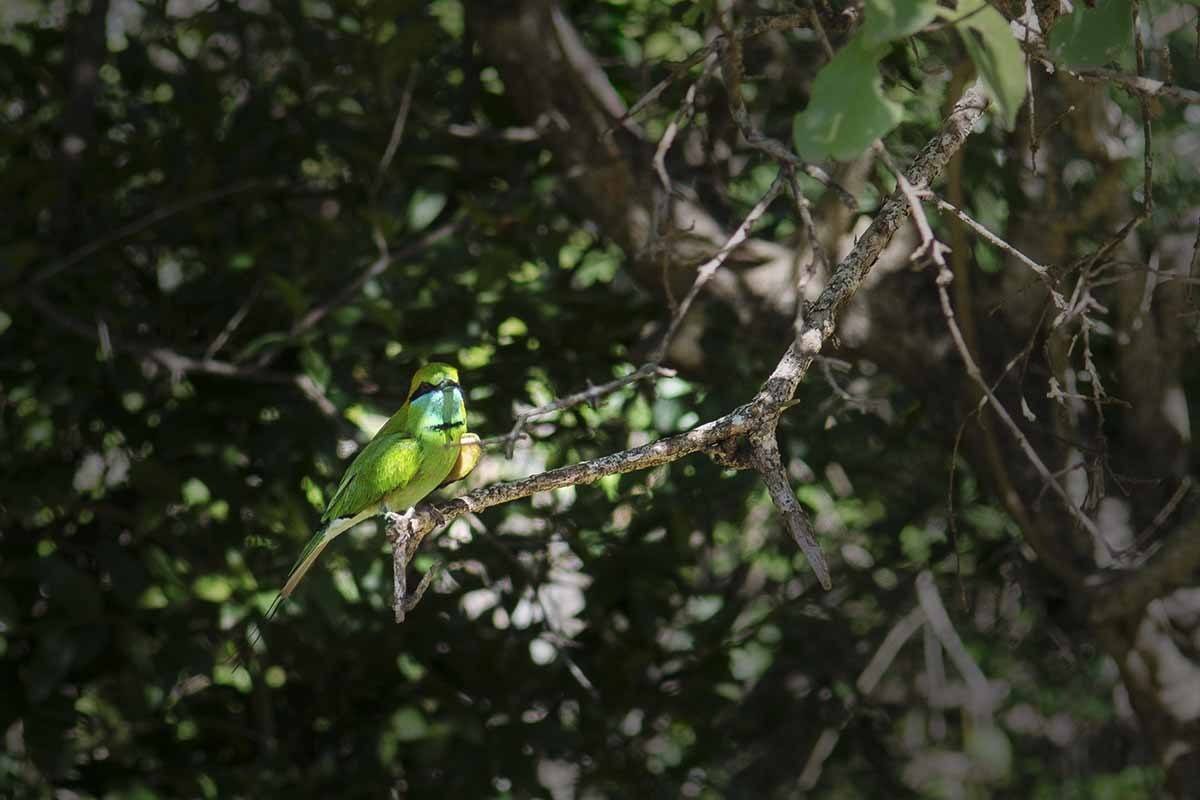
<point x="422" y="447"/>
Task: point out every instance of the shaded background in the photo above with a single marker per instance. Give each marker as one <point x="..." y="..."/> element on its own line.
<point x="198" y="328"/>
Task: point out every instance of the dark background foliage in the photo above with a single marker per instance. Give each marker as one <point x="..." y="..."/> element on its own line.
<point x="187" y="182"/>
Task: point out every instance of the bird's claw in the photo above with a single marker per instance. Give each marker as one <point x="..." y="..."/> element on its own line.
<point x="397" y="525"/>
<point x="438" y="519"/>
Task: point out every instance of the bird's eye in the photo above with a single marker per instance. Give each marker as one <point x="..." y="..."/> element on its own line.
<point x="423" y="388"/>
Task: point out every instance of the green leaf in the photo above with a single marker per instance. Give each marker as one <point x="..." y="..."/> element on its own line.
<point x="409" y="725"/>
<point x="213" y="588"/>
<point x="258" y="343"/>
<point x="241" y="261"/>
<point x="888" y="20"/>
<point x="990" y="751"/>
<point x="423" y="209"/>
<point x="848" y="110"/>
<point x="290" y="293"/>
<point x="316" y="367"/>
<point x="1094" y="36"/>
<point x="997" y="55"/>
<point x="195" y="493"/>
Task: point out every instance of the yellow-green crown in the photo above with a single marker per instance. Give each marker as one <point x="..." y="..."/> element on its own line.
<point x="433" y="374"/>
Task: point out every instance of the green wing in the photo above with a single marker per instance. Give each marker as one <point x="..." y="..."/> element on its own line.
<point x="395" y="424"/>
<point x="389" y="462"/>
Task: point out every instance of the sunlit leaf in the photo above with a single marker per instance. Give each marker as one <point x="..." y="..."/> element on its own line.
<point x="423" y="208"/>
<point x="996" y="53"/>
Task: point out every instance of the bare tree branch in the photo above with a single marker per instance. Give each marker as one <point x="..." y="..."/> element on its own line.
<point x="1138" y="85"/>
<point x="761" y="415"/>
<point x="849" y="274"/>
<point x="1174" y="565"/>
<point x="769" y="464"/>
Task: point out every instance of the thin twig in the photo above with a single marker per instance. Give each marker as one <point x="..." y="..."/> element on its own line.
<point x="944" y="278"/>
<point x="397" y="136"/>
<point x="590" y="395"/>
<point x="146" y="222"/>
<point x="348" y="292"/>
<point x="589" y="71"/>
<point x="754" y="28"/>
<point x="896" y="638"/>
<point x="1033" y="139"/>
<point x="819" y="29"/>
<point x="178" y="364"/>
<point x="236" y="320"/>
<point x="1041" y="271"/>
<point x="1135" y="84"/>
<point x="682" y="119"/>
<point x="1052" y="124"/>
<point x="769" y="464"/>
<point x="706" y="270"/>
<point x="653" y="366"/>
<point x="1164" y="513"/>
<point x="819" y="260"/>
<point x="776" y="150"/>
<point x="1144" y="102"/>
<point x="1174" y="565"/>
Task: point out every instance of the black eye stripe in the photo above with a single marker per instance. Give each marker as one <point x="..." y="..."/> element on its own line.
<point x="423" y="389"/>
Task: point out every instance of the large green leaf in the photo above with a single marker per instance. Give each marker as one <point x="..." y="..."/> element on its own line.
<point x="848" y="110"/>
<point x="996" y="53"/>
<point x="1094" y="36"/>
<point x="888" y="20"/>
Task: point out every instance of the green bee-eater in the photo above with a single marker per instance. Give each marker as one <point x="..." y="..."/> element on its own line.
<point x="423" y="446"/>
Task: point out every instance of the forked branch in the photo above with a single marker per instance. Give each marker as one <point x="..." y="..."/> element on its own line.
<point x="756" y="420"/>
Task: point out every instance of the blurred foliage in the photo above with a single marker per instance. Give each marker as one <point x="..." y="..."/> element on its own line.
<point x="199" y="176"/>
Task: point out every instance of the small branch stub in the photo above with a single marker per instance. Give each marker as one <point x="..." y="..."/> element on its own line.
<point x="767" y="461"/>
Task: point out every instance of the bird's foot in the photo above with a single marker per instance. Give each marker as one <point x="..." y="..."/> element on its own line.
<point x="438" y="519"/>
<point x="398" y="525"/>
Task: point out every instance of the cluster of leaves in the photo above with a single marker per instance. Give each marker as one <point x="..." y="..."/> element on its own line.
<point x="196" y="178"/>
